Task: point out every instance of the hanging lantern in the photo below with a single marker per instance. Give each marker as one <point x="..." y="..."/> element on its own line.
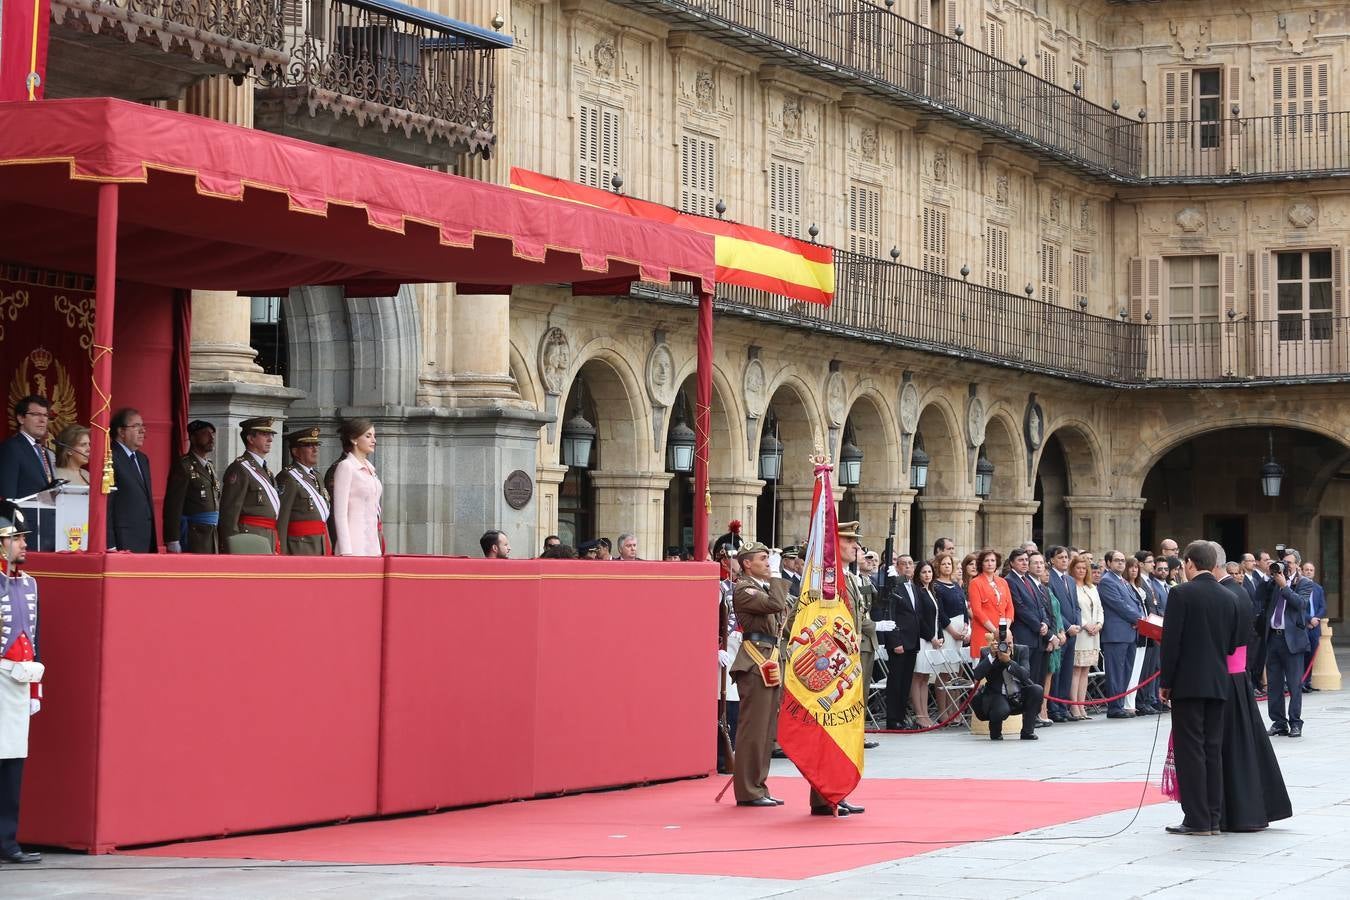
<point x="680" y="448"/>
<point x="1272" y="473"/>
<point x="984" y="476"/>
<point x="850" y="463"/>
<point x="918" y="468"/>
<point x="578" y="438"/>
<point x="770" y="457"/>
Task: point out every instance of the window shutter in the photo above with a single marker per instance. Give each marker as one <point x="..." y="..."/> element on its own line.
<point x="1153" y="286"/>
<point x="698" y="175"/>
<point x="1252" y="299"/>
<point x="1082" y="275"/>
<point x="935" y="240"/>
<point x="1176" y="101"/>
<point x="599" y="140"/>
<point x="994" y="38"/>
<point x="1050" y="263"/>
<point x="996" y="257"/>
<point x="1337" y="282"/>
<point x="588" y="171"/>
<point x="1263" y="286"/>
<point x="923" y="18"/>
<point x="785" y="198"/>
<point x="1049" y="66"/>
<point x="864" y="220"/>
<point x="1227" y="284"/>
<point x="951" y="17"/>
<point x="1234" y="90"/>
<point x="610" y="138"/>
<point x="1136" y="284"/>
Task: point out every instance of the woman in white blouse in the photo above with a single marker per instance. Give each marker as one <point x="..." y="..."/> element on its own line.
<point x="356" y="492"/>
<point x="1088" y="645"/>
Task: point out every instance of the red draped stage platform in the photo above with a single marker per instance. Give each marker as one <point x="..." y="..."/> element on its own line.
<point x="190" y="697"/>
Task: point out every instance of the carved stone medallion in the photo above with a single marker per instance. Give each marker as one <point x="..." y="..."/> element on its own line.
<point x="756" y="399"/>
<point x="975" y="421"/>
<point x="554" y="358"/>
<point x="661" y="375"/>
<point x="705" y="90"/>
<point x="836" y="397"/>
<point x="604" y="55"/>
<point x="517" y="489"/>
<point x="1035" y="425"/>
<point x="1190" y="219"/>
<point x="909" y="408"/>
<point x="1301" y="215"/>
<point x="792" y="117"/>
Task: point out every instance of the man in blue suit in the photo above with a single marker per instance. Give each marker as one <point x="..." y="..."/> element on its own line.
<point x="1121" y="610"/>
<point x="1064" y="589"/>
<point x="1317" y="611"/>
<point x="1284" y="619"/>
<point x="27" y="466"/>
<point x="1029" y="627"/>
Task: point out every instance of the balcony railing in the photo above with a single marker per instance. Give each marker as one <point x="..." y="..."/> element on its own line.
<point x="172" y="43"/>
<point x="383" y="63"/>
<point x="882" y="302"/>
<point x="864" y="45"/>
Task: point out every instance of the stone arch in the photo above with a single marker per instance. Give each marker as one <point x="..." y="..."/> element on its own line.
<point x="1083" y="456"/>
<point x="877" y="434"/>
<point x="800" y="427"/>
<point x="1004" y="448"/>
<point x="523" y="373"/>
<point x="944" y="442"/>
<point x="615" y="392"/>
<point x="726" y="450"/>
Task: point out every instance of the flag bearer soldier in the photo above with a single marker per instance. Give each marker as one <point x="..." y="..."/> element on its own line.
<point x="20" y="675"/>
<point x="249" y="503"/>
<point x="305" y="504"/>
<point x="761" y="604"/>
<point x="862" y="593"/>
<point x="192" y="499"/>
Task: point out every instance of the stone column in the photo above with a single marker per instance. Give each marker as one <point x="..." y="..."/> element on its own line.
<point x="466" y="345"/>
<point x="1099" y="524"/>
<point x="794" y="515"/>
<point x="548" y="479"/>
<point x="952" y="517"/>
<point x="1007" y="523"/>
<point x="227" y="384"/>
<point x="631" y="501"/>
<point x="874" y="509"/>
<point x="734" y="498"/>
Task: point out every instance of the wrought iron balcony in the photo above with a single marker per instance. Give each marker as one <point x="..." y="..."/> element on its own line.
<point x="385" y="78"/>
<point x="1258" y="148"/>
<point x="885" y="303"/>
<point x="152" y="49"/>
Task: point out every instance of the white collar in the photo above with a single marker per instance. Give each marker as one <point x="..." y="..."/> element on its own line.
<point x="127" y="450"/>
<point x="256" y="458"/>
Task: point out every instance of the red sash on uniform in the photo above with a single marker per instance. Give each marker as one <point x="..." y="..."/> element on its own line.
<point x="310" y="528"/>
<point x="264" y="522"/>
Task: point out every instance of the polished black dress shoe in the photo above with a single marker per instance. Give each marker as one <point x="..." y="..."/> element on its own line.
<point x="826" y="811"/>
<point x="759" y="801"/>
<point x="851" y="808"/>
<point x="1145" y="711"/>
<point x="1186" y="829"/>
<point x="1031" y="736"/>
<point x="1277" y="729"/>
<point x="870" y="745"/>
<point x="1296" y="731"/>
<point x="776" y="801"/>
<point x="1043" y="723"/>
<point x="21" y="856"/>
<point x="1058" y="717"/>
<point x="1120" y="714"/>
<point x="995" y="737"/>
<point x="778" y="753"/>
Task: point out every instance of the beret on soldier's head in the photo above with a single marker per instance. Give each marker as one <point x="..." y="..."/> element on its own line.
<point x="197" y="425"/>
<point x="750" y="549"/>
<point x="588" y="546"/>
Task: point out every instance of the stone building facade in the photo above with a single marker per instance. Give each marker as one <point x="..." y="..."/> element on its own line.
<point x="1104" y="247"/>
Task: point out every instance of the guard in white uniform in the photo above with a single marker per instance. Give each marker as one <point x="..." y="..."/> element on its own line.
<point x="20" y="675"/>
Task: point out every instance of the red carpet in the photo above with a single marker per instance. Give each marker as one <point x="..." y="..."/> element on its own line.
<point x="676" y="828"/>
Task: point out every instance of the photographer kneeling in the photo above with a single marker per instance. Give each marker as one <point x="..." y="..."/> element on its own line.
<point x="1008" y="688"/>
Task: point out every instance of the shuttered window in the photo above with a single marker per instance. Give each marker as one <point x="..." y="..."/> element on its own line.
<point x="785" y="198"/>
<point x="599" y="142"/>
<point x="1302" y="92"/>
<point x="1050" y="262"/>
<point x="864" y="220"/>
<point x="1050" y="65"/>
<point x="698" y="175"/>
<point x="1082" y="277"/>
<point x="935" y="240"/>
<point x="994" y="38"/>
<point x="1176" y="102"/>
<point x="996" y="257"/>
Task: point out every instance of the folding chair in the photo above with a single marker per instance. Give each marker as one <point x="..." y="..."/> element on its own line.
<point x="876" y="692"/>
<point x="957" y="686"/>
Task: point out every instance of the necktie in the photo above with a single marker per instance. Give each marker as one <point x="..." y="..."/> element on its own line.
<point x="42" y="458"/>
<point x="1277" y="620"/>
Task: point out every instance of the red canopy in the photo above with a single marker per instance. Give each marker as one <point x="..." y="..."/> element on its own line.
<point x="212" y="206"/>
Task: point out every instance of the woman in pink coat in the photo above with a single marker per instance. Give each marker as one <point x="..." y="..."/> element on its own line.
<point x="356" y="492"/>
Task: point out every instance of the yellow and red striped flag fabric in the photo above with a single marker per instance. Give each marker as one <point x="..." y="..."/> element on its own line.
<point x="746" y="256"/>
<point x="820" y="725"/>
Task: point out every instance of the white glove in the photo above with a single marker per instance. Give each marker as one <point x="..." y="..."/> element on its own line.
<point x="34" y="706"/>
<point x="885" y="625"/>
<point x="724" y="658"/>
<point x="173" y="547"/>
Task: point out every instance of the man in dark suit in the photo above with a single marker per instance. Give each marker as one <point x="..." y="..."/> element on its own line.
<point x="1284" y="619"/>
<point x="1062" y="586"/>
<point x="1317" y="611"/>
<point x="1121" y="612"/>
<point x="901" y="643"/>
<point x="27" y="466"/>
<point x="1199" y="632"/>
<point x="791" y="566"/>
<point x="1029" y="627"/>
<point x="131" y="510"/>
<point x="1257" y="650"/>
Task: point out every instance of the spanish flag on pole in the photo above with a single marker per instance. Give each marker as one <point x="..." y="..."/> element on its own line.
<point x="820" y="726"/>
<point x="747" y="256"/>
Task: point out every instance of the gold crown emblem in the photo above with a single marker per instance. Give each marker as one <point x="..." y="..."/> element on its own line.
<point x="41" y="357"/>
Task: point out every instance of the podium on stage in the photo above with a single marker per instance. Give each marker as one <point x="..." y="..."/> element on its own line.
<point x="58" y="519"/>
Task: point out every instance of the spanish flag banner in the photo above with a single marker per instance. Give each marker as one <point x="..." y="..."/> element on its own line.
<point x="747" y="256"/>
<point x="820" y="726"/>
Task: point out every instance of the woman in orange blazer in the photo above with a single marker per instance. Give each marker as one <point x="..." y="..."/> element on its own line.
<point x="990" y="601"/>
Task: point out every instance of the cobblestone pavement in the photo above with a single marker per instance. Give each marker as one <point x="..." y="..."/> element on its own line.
<point x="1310" y="852"/>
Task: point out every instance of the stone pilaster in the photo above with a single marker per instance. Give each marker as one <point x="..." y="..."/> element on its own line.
<point x="225" y="404"/>
<point x="1099" y="524"/>
<point x="874" y="511"/>
<point x="548" y="482"/>
<point x="1007" y="523"/>
<point x="632" y="502"/>
<point x="466" y="345"/>
<point x="794" y="515"/>
<point x="734" y="498"/>
<point x="952" y="517"/>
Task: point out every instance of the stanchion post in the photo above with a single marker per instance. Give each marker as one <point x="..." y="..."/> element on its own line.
<point x="100" y="383"/>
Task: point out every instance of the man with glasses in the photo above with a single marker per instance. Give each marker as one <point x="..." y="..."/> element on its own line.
<point x="1121" y="609"/>
<point x="131" y="509"/>
<point x="27" y="466"/>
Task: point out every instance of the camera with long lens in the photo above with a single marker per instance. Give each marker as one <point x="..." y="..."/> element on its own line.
<point x="1004" y="642"/>
<point x="1276" y="568"/>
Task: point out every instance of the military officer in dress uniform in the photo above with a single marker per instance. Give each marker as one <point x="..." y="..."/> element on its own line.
<point x="863" y="593"/>
<point x="192" y="499"/>
<point x="20" y="675"/>
<point x="761" y="605"/>
<point x="305" y="504"/>
<point x="249" y="503"/>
